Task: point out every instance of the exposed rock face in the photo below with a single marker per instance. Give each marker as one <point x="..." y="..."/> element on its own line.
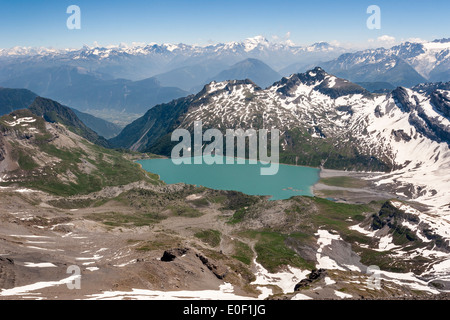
<point x="170" y="255"/>
<point x="219" y="271"/>
<point x="441" y="101"/>
<point x="7" y="273"/>
<point x="391" y="216"/>
<point x="319" y="79"/>
<point x="315" y="275"/>
<point x="401" y="97"/>
<point x="6" y="261"/>
<point x="2" y="149"/>
<point x="401" y="135"/>
<point x="397" y="221"/>
<point x="431" y="127"/>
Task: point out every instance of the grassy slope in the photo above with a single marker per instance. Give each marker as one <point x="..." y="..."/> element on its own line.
<point x="67" y="175"/>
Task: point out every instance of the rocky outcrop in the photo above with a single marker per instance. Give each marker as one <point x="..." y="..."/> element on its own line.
<point x="441" y="101"/>
<point x="315" y="275"/>
<point x="401" y="97"/>
<point x="170" y="255"/>
<point x="398" y="220"/>
<point x="391" y="216"/>
<point x="53" y="111"/>
<point x="432" y="128"/>
<point x="219" y="271"/>
<point x="400" y="135"/>
<point x="7" y="273"/>
<point x="6" y="261"/>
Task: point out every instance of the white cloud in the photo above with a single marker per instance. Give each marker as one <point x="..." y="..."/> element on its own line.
<point x="335" y="43"/>
<point x="385" y="38"/>
<point x="283" y="39"/>
<point x="138" y="44"/>
<point x="416" y="40"/>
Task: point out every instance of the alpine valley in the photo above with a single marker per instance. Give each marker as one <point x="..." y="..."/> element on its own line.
<point x="375" y="122"/>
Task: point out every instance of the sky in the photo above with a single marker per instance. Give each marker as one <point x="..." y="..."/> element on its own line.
<point x="42" y="23"/>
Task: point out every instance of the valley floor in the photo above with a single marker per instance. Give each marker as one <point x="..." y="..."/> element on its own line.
<point x="352" y="187"/>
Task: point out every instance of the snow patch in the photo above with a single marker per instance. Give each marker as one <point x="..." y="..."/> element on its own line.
<point x="39" y="265"/>
<point x="225" y="292"/>
<point x="300" y="296"/>
<point x="286" y="280"/>
<point x="325" y="239"/>
<point x="342" y="295"/>
<point x="24" y="290"/>
<point x="92" y="268"/>
<point x="20" y="120"/>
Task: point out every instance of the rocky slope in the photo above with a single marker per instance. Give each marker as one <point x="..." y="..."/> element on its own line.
<point x="143" y="241"/>
<point x="51" y="156"/>
<point x="53" y="111"/>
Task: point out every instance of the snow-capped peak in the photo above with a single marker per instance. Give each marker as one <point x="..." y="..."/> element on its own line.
<point x="320" y="46"/>
<point x="252" y="43"/>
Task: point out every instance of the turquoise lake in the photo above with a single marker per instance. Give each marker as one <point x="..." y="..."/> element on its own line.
<point x="287" y="182"/>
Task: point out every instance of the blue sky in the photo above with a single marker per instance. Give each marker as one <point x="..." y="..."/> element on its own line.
<point x="43" y="22"/>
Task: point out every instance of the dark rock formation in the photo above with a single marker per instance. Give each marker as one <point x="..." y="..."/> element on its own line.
<point x="315" y="275"/>
<point x="219" y="271"/>
<point x="5" y="261"/>
<point x="441" y="102"/>
<point x="401" y="97"/>
<point x="430" y="127"/>
<point x="170" y="255"/>
<point x="400" y="135"/>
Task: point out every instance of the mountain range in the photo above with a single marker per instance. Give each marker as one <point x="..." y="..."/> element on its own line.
<point x="429" y="59"/>
<point x="94" y="79"/>
<point x="406" y="64"/>
<point x="324" y="121"/>
<point x="152" y="59"/>
<point x="80" y="88"/>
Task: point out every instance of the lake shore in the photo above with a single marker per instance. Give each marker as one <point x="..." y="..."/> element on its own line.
<point x="248" y="178"/>
<point x="351" y="186"/>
